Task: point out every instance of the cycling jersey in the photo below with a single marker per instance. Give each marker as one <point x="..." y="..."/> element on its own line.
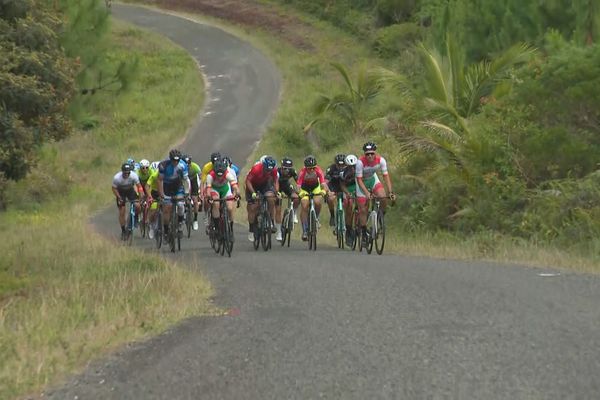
<point x="206" y="168"/>
<point x="173" y="176"/>
<point x="310" y="179"/>
<point x="143" y="175"/>
<point x="194" y="170"/>
<point x="221" y="184"/>
<point x="152" y="181"/>
<point x="124" y="184"/>
<point x="332" y="175"/>
<point x="285" y="175"/>
<point x="258" y="177"/>
<point x="235" y="169"/>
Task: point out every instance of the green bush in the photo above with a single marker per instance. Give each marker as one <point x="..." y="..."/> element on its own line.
<point x="395" y="39"/>
<point x="395" y="11"/>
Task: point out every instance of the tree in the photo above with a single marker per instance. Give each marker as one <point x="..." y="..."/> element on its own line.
<point x="351" y="104"/>
<point x="36" y="84"/>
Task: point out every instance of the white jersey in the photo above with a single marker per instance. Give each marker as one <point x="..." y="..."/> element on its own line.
<point x="123" y="184"/>
<point x="366" y="169"/>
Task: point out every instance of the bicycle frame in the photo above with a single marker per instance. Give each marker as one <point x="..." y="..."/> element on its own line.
<point x="287" y="223"/>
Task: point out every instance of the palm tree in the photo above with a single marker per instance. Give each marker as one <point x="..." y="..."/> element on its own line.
<point x="351" y="104"/>
<point x="454" y="94"/>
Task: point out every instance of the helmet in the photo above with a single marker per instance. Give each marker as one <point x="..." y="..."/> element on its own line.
<point x="131" y="162"/>
<point x="269" y="163"/>
<point x="340" y="159"/>
<point x="154" y="165"/>
<point x="262" y="158"/>
<point x="286" y="162"/>
<point x="220" y="167"/>
<point x="369" y="146"/>
<point x="351" y="159"/>
<point x="215" y="156"/>
<point x="187" y="158"/>
<point x="126" y="168"/>
<point x="227" y="161"/>
<point x="144" y="163"/>
<point x="310" y="161"/>
<point x="174" y="155"/>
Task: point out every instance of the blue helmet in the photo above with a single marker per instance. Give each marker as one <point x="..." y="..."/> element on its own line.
<point x="131" y="162"/>
<point x="269" y="163"/>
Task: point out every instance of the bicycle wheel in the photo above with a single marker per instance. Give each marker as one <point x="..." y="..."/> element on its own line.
<point x="372" y="231"/>
<point x="144" y="220"/>
<point x="340" y="227"/>
<point x="265" y="239"/>
<point x="290" y="226"/>
<point x="211" y="235"/>
<point x="173" y="229"/>
<point x="380" y="234"/>
<point x="312" y="231"/>
<point x="158" y="235"/>
<point x="228" y="234"/>
<point x="128" y="238"/>
<point x="284" y="226"/>
<point x="188" y="219"/>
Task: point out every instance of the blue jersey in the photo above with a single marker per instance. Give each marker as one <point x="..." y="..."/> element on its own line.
<point x="235" y="169"/>
<point x="173" y="176"/>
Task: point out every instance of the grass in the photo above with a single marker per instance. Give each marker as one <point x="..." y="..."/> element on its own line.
<point x="66" y="293"/>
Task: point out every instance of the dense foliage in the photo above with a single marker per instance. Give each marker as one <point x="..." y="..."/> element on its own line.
<point x="495" y="135"/>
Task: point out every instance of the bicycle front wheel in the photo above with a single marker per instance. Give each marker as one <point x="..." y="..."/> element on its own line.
<point x="265" y="238"/>
<point x="340" y="225"/>
<point x="188" y="219"/>
<point x="228" y="235"/>
<point x="380" y="233"/>
<point x="284" y="227"/>
<point x="312" y="231"/>
<point x="158" y="235"/>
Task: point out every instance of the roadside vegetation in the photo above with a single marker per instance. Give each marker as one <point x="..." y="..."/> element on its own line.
<point x="66" y="293"/>
<point x="492" y="138"/>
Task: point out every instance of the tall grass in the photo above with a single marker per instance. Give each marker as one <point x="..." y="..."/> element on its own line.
<point x="66" y="293"/>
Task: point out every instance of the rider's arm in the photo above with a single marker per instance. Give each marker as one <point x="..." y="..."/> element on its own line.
<point x="116" y="193"/>
<point x="161" y="190"/>
<point x="186" y="185"/>
<point x="248" y="183"/>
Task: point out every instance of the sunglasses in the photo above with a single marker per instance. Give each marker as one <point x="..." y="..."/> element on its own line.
<point x="369" y="154"/>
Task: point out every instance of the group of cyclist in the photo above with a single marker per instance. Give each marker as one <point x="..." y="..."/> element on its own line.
<point x="178" y="179"/>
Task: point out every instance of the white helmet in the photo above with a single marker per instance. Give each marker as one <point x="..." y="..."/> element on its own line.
<point x="351" y="159"/>
<point x="144" y="163"/>
<point x="154" y="165"/>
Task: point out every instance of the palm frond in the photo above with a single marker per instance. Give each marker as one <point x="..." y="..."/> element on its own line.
<point x="443" y="131"/>
<point x="438" y="86"/>
<point x="344" y="73"/>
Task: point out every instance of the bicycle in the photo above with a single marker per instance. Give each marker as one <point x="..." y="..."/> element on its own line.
<point x="144" y="223"/>
<point x="264" y="225"/>
<point x="127" y="235"/>
<point x="174" y="238"/>
<point x="376" y="226"/>
<point x="313" y="222"/>
<point x="340" y="220"/>
<point x="223" y="232"/>
<point x="355" y="228"/>
<point x="287" y="223"/>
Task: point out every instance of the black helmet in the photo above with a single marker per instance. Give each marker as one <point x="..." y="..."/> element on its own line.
<point x="310" y="161"/>
<point x="220" y="167"/>
<point x="287" y="162"/>
<point x="214" y="157"/>
<point x="187" y="158"/>
<point x="126" y="168"/>
<point x="174" y="155"/>
<point x="369" y="146"/>
<point x="227" y="160"/>
<point x="339" y="159"/>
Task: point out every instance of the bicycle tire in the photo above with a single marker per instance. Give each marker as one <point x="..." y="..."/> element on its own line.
<point x="158" y="235"/>
<point x="188" y="219"/>
<point x="340" y="224"/>
<point x="372" y="229"/>
<point x="312" y="231"/>
<point x="228" y="237"/>
<point x="173" y="227"/>
<point x="128" y="237"/>
<point x="143" y="221"/>
<point x="265" y="239"/>
<point x="284" y="227"/>
<point x="290" y="226"/>
<point x="380" y="236"/>
<point x="211" y="235"/>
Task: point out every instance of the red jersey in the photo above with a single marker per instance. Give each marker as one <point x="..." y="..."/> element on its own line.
<point x="310" y="179"/>
<point x="257" y="177"/>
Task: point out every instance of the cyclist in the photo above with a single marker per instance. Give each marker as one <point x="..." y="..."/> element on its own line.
<point x="126" y="186"/>
<point x="368" y="183"/>
<point x="310" y="180"/>
<point x="332" y="176"/>
<point x="206" y="168"/>
<point x="348" y="186"/>
<point x="173" y="181"/>
<point x="221" y="183"/>
<point x="286" y="173"/>
<point x="262" y="178"/>
<point x="194" y="175"/>
<point x="231" y="165"/>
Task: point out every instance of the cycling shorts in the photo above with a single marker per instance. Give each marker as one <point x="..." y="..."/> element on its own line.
<point x="304" y="192"/>
<point x="194" y="186"/>
<point x="129" y="194"/>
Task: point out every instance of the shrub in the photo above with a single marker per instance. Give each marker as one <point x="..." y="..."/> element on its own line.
<point x="394" y="39"/>
<point x="395" y="11"/>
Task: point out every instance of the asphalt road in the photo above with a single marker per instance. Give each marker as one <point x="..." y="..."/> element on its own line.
<point x="343" y="325"/>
